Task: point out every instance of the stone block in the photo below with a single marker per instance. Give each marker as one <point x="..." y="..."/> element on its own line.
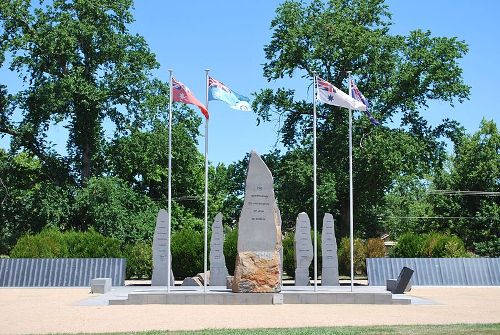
<point x="345" y="298"/>
<point x="327" y="298"/>
<point x="160" y="298"/>
<point x="100" y="285"/>
<point x="278" y="299"/>
<point x="191" y="281"/>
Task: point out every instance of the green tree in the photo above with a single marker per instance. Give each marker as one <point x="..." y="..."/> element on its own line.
<point x="398" y="73"/>
<point x="29" y="202"/>
<point x="113" y="209"/>
<point x="141" y="159"/>
<point x="463" y="193"/>
<point x="80" y="66"/>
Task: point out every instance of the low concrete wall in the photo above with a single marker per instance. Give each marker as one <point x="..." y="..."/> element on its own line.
<point x="56" y="272"/>
<point x="436" y="271"/>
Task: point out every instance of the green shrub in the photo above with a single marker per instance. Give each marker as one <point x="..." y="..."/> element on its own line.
<point x="375" y="248"/>
<point x="49" y="243"/>
<point x="440" y="245"/>
<point x="344" y="253"/>
<point x="409" y="245"/>
<point x="91" y="244"/>
<point x="432" y="245"/>
<point x="488" y="248"/>
<point x="455" y="247"/>
<point x="231" y="249"/>
<point x="288" y="254"/>
<point x="187" y="252"/>
<point x="139" y="260"/>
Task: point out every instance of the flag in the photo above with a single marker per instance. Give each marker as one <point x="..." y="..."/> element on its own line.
<point x="218" y="91"/>
<point x="356" y="94"/>
<point x="180" y="93"/>
<point x="331" y="95"/>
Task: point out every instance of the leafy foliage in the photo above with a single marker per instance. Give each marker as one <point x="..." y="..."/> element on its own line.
<point x="51" y="243"/>
<point x="139" y="260"/>
<point x="187" y="252"/>
<point x="29" y="202"/>
<point x="399" y="74"/>
<point x="375" y="247"/>
<point x="231" y="249"/>
<point x="109" y="206"/>
<point x="344" y="253"/>
<point x="475" y="169"/>
<point x="80" y="66"/>
<point x="432" y="244"/>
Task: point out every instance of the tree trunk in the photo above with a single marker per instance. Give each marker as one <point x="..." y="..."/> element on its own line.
<point x="86" y="162"/>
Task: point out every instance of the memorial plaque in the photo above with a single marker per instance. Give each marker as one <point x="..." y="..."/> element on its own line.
<point x="330" y="263"/>
<point x="218" y="269"/>
<point x="160" y="251"/>
<point x="303" y="249"/>
<point x="258" y="260"/>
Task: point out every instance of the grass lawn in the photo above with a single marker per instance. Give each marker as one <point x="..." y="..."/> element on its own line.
<point x="374" y="330"/>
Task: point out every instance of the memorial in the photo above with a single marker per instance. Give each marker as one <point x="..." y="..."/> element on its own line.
<point x="303" y="250"/>
<point x="330" y="262"/>
<point x="218" y="269"/>
<point x="258" y="260"/>
<point x="161" y="252"/>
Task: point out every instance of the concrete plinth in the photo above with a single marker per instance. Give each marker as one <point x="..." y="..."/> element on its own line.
<point x="223" y="296"/>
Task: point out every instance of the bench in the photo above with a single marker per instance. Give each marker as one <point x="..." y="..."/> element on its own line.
<point x="402" y="284"/>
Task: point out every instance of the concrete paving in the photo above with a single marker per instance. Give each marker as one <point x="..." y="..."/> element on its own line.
<point x="76" y="310"/>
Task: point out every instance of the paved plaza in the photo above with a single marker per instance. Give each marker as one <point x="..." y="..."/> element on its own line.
<point x="70" y="310"/>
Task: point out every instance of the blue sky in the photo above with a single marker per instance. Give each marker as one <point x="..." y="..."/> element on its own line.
<point x="228" y="37"/>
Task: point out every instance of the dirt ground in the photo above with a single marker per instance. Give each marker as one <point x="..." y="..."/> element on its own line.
<point x="55" y="310"/>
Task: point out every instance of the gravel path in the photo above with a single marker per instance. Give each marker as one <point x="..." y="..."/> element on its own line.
<point x="56" y="310"/>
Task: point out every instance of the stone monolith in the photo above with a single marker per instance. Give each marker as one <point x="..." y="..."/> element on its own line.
<point x="160" y="251"/>
<point x="258" y="260"/>
<point x="330" y="263"/>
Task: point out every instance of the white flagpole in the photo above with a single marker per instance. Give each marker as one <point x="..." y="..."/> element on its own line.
<point x="205" y="262"/>
<point x="351" y="214"/>
<point x="314" y="189"/>
<point x="169" y="266"/>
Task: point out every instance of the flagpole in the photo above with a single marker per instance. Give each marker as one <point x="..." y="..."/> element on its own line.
<point x="169" y="265"/>
<point x="205" y="262"/>
<point x="351" y="214"/>
<point x="314" y="189"/>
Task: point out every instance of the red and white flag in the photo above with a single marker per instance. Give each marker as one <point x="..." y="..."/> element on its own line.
<point x="181" y="93"/>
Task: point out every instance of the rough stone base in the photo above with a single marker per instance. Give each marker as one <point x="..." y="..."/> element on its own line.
<point x="257" y="272"/>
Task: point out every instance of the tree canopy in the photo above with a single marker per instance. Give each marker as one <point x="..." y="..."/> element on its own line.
<point x="80" y="66"/>
<point x="400" y="75"/>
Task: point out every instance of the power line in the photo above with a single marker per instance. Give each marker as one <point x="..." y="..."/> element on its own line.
<point x="459" y="192"/>
<point x="442" y="217"/>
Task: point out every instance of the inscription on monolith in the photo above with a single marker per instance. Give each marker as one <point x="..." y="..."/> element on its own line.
<point x="258" y="261"/>
<point x="330" y="264"/>
<point x="218" y="269"/>
<point x="303" y="249"/>
<point x="160" y="251"/>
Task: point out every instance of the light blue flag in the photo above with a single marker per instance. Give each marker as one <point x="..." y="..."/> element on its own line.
<point x="218" y="91"/>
